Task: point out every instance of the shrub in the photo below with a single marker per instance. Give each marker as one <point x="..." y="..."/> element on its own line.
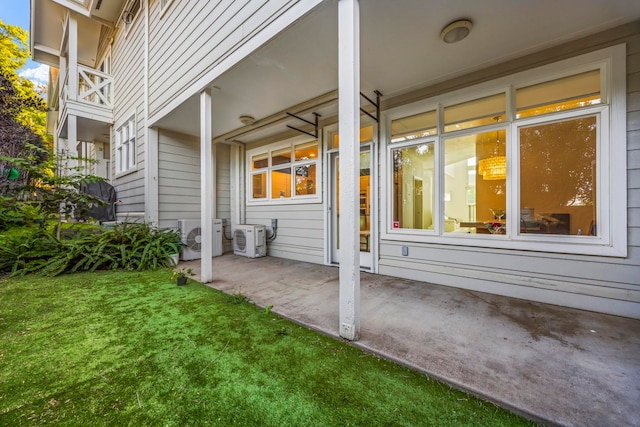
<point x="16" y="214"/>
<point x="127" y="247"/>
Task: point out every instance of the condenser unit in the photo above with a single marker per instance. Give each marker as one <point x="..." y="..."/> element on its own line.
<point x="191" y="236"/>
<point x="250" y="240"/>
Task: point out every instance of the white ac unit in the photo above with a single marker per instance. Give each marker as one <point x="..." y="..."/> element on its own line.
<point x="191" y="236"/>
<point x="250" y="240"/>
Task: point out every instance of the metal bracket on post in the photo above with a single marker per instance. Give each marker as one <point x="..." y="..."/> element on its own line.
<point x="315" y="125"/>
<point x="375" y="104"/>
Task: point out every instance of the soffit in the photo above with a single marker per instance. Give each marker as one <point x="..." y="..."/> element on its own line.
<point x="401" y="50"/>
<point x="47" y="29"/>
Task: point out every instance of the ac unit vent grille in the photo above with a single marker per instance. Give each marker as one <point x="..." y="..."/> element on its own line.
<point x="240" y="238"/>
<point x="194" y="239"/>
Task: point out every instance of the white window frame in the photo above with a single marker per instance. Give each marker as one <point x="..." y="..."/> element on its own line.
<point x="611" y="155"/>
<point x="125" y="10"/>
<point x="294" y="199"/>
<point x="164" y="6"/>
<point x="125" y="147"/>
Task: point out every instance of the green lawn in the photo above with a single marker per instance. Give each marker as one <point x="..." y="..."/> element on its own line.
<point x="116" y="348"/>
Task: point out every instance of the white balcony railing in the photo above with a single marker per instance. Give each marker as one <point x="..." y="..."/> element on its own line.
<point x="94" y="87"/>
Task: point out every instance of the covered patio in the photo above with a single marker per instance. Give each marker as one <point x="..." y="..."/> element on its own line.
<point x="555" y="365"/>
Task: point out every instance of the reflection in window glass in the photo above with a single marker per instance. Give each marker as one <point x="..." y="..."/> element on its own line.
<point x="416" y="126"/>
<point x="281" y="183"/>
<point x="259" y="185"/>
<point x="306" y="151"/>
<point x="413" y="187"/>
<point x="576" y="91"/>
<point x="280" y="157"/>
<point x="305" y="179"/>
<point x="366" y="135"/>
<point x="260" y="161"/>
<point x="479" y="112"/>
<point x="473" y="204"/>
<point x="558" y="177"/>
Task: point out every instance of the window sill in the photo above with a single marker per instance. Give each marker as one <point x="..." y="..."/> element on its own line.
<point x="277" y="202"/>
<point x="125" y="173"/>
<point x="576" y="245"/>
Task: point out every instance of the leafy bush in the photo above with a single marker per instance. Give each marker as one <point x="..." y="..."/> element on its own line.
<point x="128" y="247"/>
<point x="16" y="214"/>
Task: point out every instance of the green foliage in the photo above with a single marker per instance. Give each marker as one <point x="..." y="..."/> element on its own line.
<point x="128" y="247"/>
<point x="14" y="213"/>
<point x="14" y="47"/>
<point x="54" y="195"/>
<point x="181" y="273"/>
<point x="22" y="109"/>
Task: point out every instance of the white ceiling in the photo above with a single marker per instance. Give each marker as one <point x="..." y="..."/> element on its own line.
<point x="401" y="50"/>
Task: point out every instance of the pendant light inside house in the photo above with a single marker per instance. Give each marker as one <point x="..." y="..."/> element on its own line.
<point x="495" y="167"/>
<point x="456" y="31"/>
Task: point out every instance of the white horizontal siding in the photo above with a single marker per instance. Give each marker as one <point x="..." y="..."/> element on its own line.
<point x="610" y="285"/>
<point x="195" y="30"/>
<point x="127" y="69"/>
<point x="179" y="179"/>
<point x="300" y="230"/>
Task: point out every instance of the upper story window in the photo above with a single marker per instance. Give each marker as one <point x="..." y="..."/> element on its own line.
<point x="534" y="173"/>
<point x="164" y="5"/>
<point x="284" y="173"/>
<point x="130" y="13"/>
<point x="126" y="146"/>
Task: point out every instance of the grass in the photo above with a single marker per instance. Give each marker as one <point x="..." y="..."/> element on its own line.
<point x="131" y="348"/>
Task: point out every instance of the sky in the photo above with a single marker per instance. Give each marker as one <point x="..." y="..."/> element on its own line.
<point x="16" y="12"/>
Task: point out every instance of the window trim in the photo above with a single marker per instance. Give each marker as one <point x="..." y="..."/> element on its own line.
<point x="267" y="150"/>
<point x="164" y="7"/>
<point x="129" y="4"/>
<point x="611" y="179"/>
<point x="131" y="120"/>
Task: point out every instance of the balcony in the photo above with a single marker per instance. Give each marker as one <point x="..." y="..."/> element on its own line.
<point x="87" y="93"/>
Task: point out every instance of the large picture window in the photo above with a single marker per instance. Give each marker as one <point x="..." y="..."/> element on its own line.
<point x="284" y="173"/>
<point x="526" y="165"/>
<point x="126" y="146"/>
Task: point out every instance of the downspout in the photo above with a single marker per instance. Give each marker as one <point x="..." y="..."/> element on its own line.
<point x="150" y="139"/>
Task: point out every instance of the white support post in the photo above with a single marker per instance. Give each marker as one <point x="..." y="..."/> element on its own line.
<point x="206" y="188"/>
<point x="151" y="204"/>
<point x="349" y="129"/>
<point x="237" y="185"/>
<point x="71" y="154"/>
<point x="73" y="58"/>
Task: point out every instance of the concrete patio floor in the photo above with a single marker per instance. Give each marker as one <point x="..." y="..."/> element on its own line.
<point x="554" y="365"/>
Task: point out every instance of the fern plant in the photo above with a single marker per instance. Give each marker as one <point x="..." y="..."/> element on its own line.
<point x="127" y="247"/>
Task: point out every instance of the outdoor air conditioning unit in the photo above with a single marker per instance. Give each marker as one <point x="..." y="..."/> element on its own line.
<point x="250" y="240"/>
<point x="191" y="236"/>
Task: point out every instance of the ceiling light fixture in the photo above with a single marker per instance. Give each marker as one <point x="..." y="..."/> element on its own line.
<point x="247" y="120"/>
<point x="456" y="31"/>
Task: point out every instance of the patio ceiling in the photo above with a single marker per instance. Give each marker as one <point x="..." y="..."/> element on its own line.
<point x="401" y="50"/>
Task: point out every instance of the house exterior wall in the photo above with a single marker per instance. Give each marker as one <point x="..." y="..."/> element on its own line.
<point x="189" y="32"/>
<point x="179" y="179"/>
<point x="300" y="234"/>
<point x="128" y="72"/>
<point x="300" y="230"/>
<point x="605" y="284"/>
